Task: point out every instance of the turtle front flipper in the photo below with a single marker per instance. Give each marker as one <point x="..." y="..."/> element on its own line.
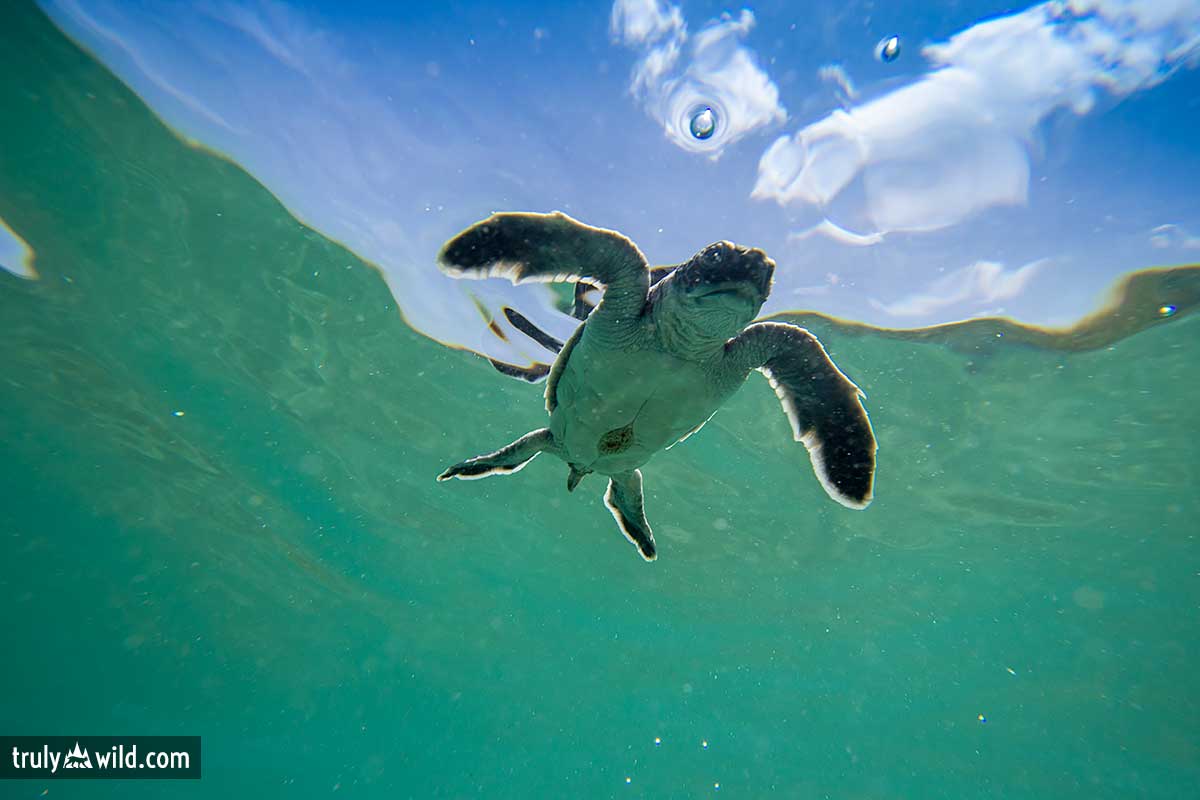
<point x="624" y="500"/>
<point x="553" y="247"/>
<point x="583" y="304"/>
<point x="506" y="460"/>
<point x="823" y="405"/>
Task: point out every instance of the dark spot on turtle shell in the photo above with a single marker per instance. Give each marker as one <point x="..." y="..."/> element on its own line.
<point x="617" y="440"/>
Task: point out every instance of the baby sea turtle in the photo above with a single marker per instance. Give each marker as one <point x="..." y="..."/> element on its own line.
<point x="653" y="361"/>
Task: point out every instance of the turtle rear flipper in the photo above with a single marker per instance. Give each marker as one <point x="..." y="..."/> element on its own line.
<point x="523" y="324"/>
<point x="505" y="461"/>
<point x="624" y="500"/>
<point x="534" y="373"/>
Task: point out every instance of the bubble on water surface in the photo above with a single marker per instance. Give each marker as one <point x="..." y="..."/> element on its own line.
<point x="704" y="123"/>
<point x="888" y="49"/>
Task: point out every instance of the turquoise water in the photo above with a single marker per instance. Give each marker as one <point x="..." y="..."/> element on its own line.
<point x="219" y="518"/>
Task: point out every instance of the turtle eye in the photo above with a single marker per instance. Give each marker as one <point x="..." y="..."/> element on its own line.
<point x="714" y="255"/>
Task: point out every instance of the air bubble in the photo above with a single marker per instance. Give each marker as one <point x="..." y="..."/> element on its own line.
<point x="704" y="123"/>
<point x="1167" y="310"/>
<point x="888" y="49"/>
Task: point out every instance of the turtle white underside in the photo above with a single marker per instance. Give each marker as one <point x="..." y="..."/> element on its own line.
<point x="663" y="398"/>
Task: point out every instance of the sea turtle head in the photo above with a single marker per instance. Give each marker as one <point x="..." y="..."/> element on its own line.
<point x="715" y="294"/>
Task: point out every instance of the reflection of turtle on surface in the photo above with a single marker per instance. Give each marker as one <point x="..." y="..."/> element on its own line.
<point x="655" y="359"/>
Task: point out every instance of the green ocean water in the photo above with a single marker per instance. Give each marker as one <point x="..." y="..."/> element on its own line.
<point x="276" y="570"/>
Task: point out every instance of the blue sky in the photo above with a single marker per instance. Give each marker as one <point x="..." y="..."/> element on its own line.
<point x="1012" y="160"/>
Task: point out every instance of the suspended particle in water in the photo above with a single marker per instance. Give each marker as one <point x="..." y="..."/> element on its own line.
<point x="657" y="741"/>
<point x="704" y="743"/>
<point x="888" y="49"/>
<point x="628" y="779"/>
<point x="1167" y="310"/>
<point x="982" y="719"/>
<point x="703" y="124"/>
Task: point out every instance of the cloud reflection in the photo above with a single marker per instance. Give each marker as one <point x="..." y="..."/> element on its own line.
<point x="933" y="153"/>
<point x="983" y="282"/>
<point x="680" y="74"/>
<point x="1170" y="237"/>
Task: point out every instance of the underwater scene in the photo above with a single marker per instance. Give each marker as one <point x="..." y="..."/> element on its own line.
<point x="271" y="269"/>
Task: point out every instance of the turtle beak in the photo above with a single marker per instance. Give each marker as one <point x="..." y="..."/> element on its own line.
<point x="763" y="272"/>
<point x="725" y="268"/>
<point x="754" y="271"/>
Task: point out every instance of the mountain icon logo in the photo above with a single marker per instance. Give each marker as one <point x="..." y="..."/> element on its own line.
<point x="77" y="759"/>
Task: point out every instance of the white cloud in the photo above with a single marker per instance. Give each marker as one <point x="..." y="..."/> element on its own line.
<point x="645" y="21"/>
<point x="286" y="34"/>
<point x="1169" y="236"/>
<point x="970" y="286"/>
<point x="939" y="150"/>
<point x="837" y="75"/>
<point x="827" y="228"/>
<point x="679" y="74"/>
